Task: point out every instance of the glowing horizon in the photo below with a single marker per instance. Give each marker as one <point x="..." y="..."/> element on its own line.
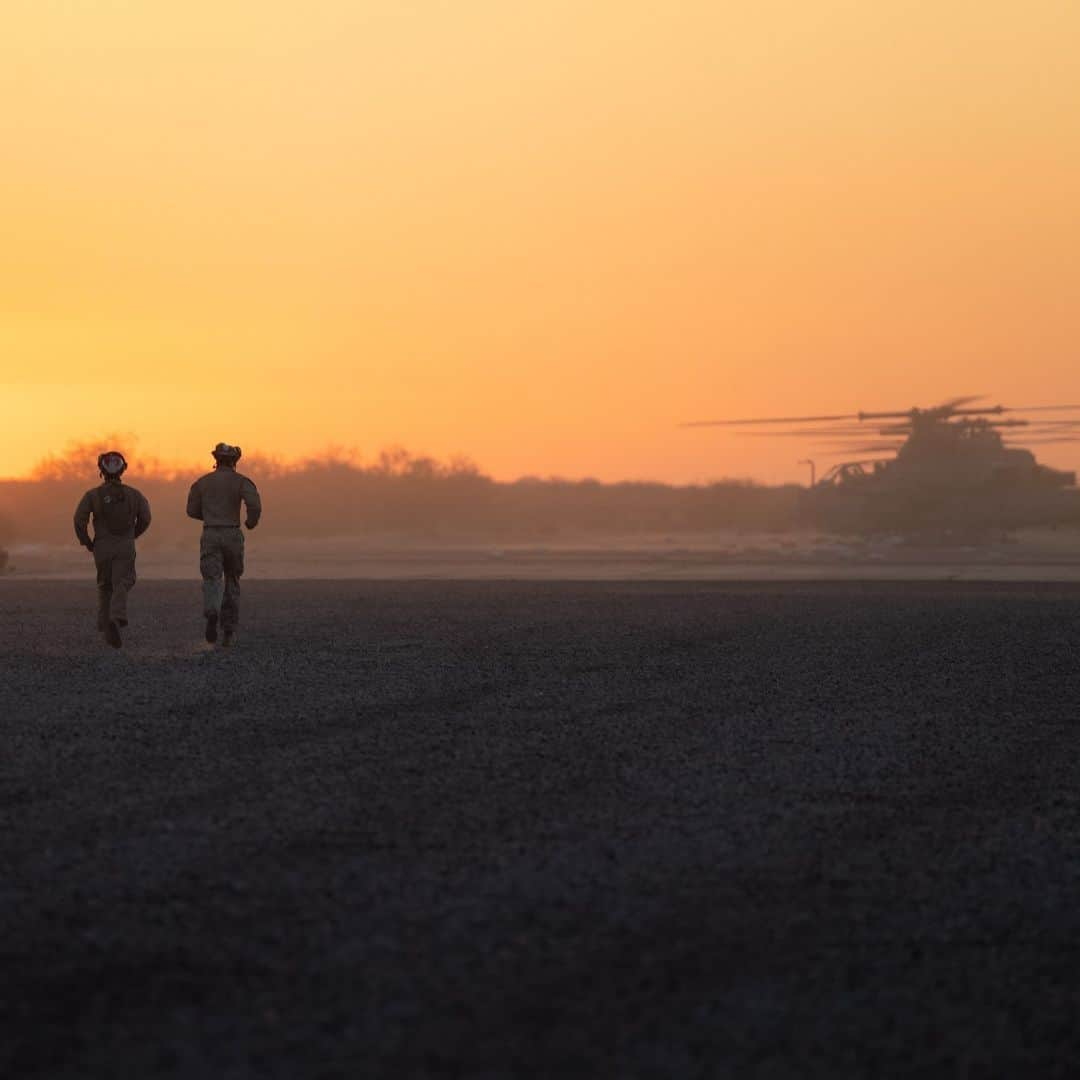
<point x="534" y="235"/>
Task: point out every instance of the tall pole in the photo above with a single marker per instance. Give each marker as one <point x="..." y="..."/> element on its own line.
<point x="813" y="469"/>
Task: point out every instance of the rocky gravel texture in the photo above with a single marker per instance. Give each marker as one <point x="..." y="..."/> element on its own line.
<point x="495" y="829"/>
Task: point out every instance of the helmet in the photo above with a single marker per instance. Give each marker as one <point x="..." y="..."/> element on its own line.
<point x="224" y="453"/>
<point x="111" y="464"/>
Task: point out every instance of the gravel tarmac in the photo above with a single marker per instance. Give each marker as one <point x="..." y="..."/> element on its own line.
<point x="412" y="829"/>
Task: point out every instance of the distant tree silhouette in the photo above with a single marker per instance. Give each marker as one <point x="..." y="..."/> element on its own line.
<point x="400" y="495"/>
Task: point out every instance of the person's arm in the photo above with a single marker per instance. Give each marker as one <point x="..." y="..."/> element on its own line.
<point x="253" y="501"/>
<point x="82" y="520"/>
<point x="142" y="514"/>
<point x="194" y="502"/>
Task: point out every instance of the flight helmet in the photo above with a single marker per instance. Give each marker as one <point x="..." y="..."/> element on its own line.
<point x="111" y="464"/>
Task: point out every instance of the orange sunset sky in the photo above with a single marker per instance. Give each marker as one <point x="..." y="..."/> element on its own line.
<point x="537" y="233"/>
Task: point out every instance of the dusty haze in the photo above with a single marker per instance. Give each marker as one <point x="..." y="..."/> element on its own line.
<point x="396" y="498"/>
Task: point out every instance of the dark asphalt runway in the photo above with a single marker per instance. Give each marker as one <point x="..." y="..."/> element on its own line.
<point x="487" y="830"/>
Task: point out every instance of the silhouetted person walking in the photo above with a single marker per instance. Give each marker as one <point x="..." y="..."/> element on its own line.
<point x="215" y="500"/>
<point x="120" y="515"/>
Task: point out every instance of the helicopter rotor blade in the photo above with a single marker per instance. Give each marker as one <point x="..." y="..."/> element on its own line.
<point x="769" y="420"/>
<point x="990" y="410"/>
<point x="1050" y="440"/>
<point x="853" y="430"/>
<point x="896" y="414"/>
<point x="840" y="453"/>
<point x="953" y="407"/>
<point x="865" y="448"/>
<point x="955" y="403"/>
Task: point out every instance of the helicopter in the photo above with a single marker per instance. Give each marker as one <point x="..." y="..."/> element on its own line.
<point x="955" y="470"/>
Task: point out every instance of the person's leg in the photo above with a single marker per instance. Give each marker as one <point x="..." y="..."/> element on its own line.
<point x="211" y="566"/>
<point x="233" y="564"/>
<point x="104" y="590"/>
<point x="123" y="581"/>
<point x="108" y="576"/>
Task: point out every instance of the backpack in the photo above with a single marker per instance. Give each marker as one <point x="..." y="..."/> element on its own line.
<point x="115" y="509"/>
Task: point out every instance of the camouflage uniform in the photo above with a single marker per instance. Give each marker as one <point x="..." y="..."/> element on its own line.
<point x="215" y="500"/>
<point x="120" y="515"/>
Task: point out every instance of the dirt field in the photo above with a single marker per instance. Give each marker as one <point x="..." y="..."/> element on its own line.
<point x="1037" y="555"/>
<point x="495" y="829"/>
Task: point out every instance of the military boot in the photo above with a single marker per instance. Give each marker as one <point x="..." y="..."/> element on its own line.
<point x="211" y="627"/>
<point x="112" y="634"/>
